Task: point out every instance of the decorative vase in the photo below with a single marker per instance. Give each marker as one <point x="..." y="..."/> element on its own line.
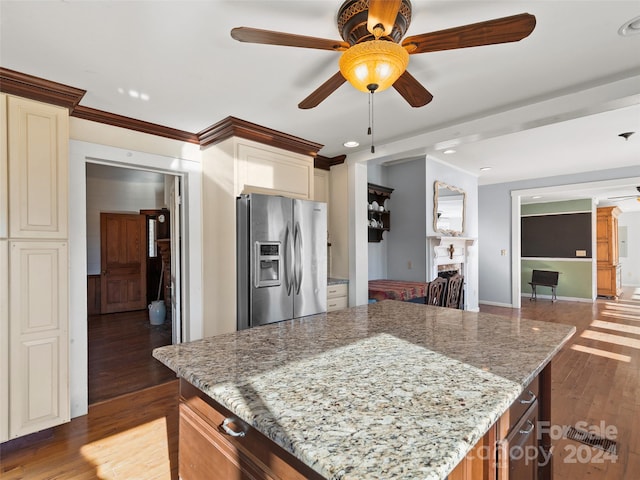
<point x="157" y="312"/>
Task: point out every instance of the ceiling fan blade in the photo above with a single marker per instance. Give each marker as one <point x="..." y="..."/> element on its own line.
<point x="499" y="30"/>
<point x="255" y="35"/>
<point x="623" y="197"/>
<point x="382" y="12"/>
<point x="412" y="90"/>
<point x="322" y="92"/>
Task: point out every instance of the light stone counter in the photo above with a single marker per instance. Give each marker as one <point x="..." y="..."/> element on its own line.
<point x="391" y="390"/>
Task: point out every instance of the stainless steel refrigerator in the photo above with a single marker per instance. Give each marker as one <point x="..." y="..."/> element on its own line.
<point x="281" y="259"/>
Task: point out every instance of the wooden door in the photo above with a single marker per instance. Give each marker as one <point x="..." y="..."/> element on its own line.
<point x="123" y="278"/>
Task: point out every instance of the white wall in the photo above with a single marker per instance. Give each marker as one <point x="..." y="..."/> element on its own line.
<point x="631" y="263"/>
<point x="117" y="193"/>
<point x="494" y="227"/>
<point x="81" y="153"/>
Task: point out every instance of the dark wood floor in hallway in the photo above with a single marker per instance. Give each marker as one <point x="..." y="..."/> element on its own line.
<point x="120" y="360"/>
<point x="596" y="380"/>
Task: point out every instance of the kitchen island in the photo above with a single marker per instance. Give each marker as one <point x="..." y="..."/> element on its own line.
<point x="387" y="390"/>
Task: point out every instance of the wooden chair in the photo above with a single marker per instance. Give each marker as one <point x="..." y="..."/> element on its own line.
<point x="436" y="291"/>
<point x="454" y="292"/>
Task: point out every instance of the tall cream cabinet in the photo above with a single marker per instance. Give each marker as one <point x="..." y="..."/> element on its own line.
<point x="34" y="385"/>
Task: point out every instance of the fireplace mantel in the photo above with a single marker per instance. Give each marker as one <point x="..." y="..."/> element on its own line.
<point x="448" y="253"/>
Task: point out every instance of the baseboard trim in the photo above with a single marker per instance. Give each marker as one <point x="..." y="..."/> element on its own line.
<point x="495" y="304"/>
<point x="566" y="299"/>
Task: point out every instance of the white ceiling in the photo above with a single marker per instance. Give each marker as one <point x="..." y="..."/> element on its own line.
<point x="551" y="104"/>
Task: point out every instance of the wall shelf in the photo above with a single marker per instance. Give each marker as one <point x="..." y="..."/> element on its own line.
<point x="381" y="219"/>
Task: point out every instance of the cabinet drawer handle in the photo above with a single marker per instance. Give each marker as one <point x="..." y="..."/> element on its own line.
<point x="529" y="430"/>
<point x="228" y="430"/>
<point x="531" y="400"/>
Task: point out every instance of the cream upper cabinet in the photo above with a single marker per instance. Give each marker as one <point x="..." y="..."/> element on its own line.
<point x="4" y="341"/>
<point x="38" y="137"/>
<point x="264" y="169"/>
<point x="3" y="167"/>
<point x="38" y="366"/>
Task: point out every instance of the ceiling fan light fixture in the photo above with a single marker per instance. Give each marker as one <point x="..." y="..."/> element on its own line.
<point x="374" y="62"/>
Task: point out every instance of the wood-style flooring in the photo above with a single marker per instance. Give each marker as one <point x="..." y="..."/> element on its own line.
<point x="596" y="380"/>
<point x="595" y="383"/>
<point x="120" y="360"/>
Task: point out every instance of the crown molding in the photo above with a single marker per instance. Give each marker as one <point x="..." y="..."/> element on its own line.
<point x="325" y="163"/>
<point x="235" y="127"/>
<point x="36" y="88"/>
<point x="87" y="113"/>
<point x="40" y="89"/>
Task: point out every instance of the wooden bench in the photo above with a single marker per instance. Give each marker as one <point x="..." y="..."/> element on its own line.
<point x="543" y="278"/>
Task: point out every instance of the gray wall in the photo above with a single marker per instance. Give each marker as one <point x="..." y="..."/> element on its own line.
<point x="408" y="214"/>
<point x="494" y="227"/>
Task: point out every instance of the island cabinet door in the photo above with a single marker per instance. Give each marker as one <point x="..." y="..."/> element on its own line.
<point x="211" y="448"/>
<point x="518" y="453"/>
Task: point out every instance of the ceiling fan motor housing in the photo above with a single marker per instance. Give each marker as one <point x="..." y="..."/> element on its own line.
<point x="352" y="22"/>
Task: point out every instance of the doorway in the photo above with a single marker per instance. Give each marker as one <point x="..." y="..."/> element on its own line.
<point x="124" y="237"/>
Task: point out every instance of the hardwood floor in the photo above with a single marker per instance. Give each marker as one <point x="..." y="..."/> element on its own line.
<point x="120" y="360"/>
<point x="596" y="379"/>
<point x="134" y="436"/>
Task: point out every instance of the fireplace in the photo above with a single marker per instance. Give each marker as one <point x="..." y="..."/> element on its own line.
<point x="448" y="256"/>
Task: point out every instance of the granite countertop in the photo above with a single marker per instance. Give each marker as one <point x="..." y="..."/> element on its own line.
<point x="387" y="390"/>
<point x="336" y="281"/>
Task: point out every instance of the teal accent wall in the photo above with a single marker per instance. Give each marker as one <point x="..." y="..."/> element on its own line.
<point x="575" y="279"/>
<point x="569" y="206"/>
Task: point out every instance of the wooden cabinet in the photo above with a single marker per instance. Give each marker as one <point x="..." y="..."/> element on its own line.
<point x="609" y="269"/>
<point x="34" y="283"/>
<point x="379" y="216"/>
<point x="517" y="453"/>
<point x="209" y="450"/>
<point x="337" y="296"/>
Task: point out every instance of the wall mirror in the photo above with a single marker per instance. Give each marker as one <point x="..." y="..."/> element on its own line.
<point x="448" y="209"/>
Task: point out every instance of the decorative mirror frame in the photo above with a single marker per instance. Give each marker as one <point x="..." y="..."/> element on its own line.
<point x="437" y="185"/>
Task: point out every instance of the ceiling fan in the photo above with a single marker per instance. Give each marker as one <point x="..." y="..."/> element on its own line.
<point x="373" y="56"/>
<point x="626" y="197"/>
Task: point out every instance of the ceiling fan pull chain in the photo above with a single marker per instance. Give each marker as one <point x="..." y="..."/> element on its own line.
<point x="370" y="131"/>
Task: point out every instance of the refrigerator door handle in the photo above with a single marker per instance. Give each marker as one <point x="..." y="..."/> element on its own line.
<point x="288" y="254"/>
<point x="298" y="256"/>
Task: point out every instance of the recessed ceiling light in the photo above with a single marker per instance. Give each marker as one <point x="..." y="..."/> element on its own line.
<point x="485" y="169"/>
<point x="351" y="144"/>
<point x="632" y="27"/>
<point x="449" y="151"/>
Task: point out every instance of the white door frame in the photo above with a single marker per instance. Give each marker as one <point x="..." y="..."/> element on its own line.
<point x="552" y="190"/>
<point x="81" y="153"/>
